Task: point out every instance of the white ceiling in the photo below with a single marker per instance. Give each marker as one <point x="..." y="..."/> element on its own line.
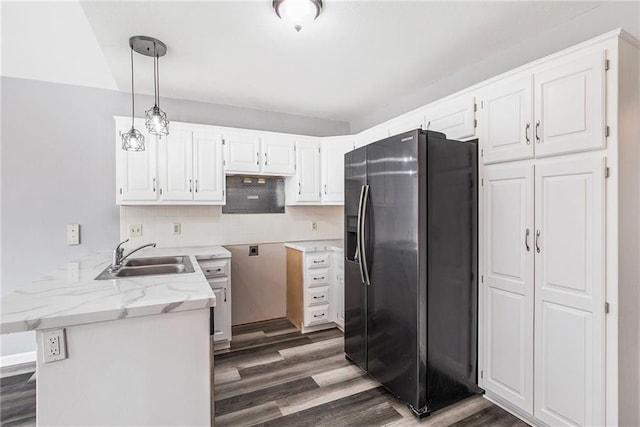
<point x="352" y="60"/>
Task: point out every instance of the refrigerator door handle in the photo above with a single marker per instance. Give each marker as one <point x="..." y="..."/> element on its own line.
<point x="358" y="255"/>
<point x="363" y="248"/>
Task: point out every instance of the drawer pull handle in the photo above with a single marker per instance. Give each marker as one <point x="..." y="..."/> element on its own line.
<point x="318" y="278"/>
<point x="320" y="297"/>
<point x="318" y="261"/>
<point x="318" y="315"/>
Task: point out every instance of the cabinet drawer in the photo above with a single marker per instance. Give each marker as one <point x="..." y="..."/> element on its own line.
<point x="214" y="268"/>
<point x="316" y="315"/>
<point x="318" y="260"/>
<point x="317" y="296"/>
<point x="317" y="277"/>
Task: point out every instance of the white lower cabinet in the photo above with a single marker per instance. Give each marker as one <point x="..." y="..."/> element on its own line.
<point x="508" y="283"/>
<point x="218" y="274"/>
<point x="544" y="288"/>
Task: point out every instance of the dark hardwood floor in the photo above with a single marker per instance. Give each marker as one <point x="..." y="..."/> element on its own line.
<point x="275" y="376"/>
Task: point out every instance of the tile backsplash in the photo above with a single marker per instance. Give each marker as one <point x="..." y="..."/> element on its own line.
<point x="206" y="225"/>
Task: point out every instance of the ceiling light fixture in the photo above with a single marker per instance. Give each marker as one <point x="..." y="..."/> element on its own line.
<point x="298" y="12"/>
<point x="155" y="119"/>
<point x="134" y="139"/>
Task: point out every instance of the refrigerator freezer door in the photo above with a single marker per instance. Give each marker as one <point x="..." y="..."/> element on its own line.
<point x="355" y="291"/>
<point x="391" y="247"/>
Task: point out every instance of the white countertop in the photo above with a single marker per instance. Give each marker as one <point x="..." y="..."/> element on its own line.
<point x="70" y="295"/>
<point x="317" y="245"/>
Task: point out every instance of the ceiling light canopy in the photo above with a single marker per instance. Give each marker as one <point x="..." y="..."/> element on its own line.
<point x="298" y="12"/>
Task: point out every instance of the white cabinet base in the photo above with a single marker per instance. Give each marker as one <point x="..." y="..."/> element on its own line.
<point x="151" y="370"/>
<point x="322" y="327"/>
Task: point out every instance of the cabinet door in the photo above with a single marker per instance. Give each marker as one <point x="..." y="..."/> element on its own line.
<point x="332" y="165"/>
<point x="508" y="283"/>
<point x="278" y="155"/>
<point x="222" y="315"/>
<point x="308" y="171"/>
<point x="138" y="169"/>
<point x="455" y="117"/>
<point x="371" y="135"/>
<point x="505" y="118"/>
<point x="569" y="292"/>
<point x="242" y="152"/>
<point x="410" y="122"/>
<point x="208" y="169"/>
<point x="176" y="164"/>
<point x="570" y="106"/>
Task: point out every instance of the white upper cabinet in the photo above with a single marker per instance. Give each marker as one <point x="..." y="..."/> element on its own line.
<point x="508" y="253"/>
<point x="278" y="154"/>
<point x="137" y="178"/>
<point x="411" y="121"/>
<point x="569" y="105"/>
<point x="570" y="292"/>
<point x="561" y="111"/>
<point x="208" y="173"/>
<point x="176" y="163"/>
<point x="306" y="183"/>
<point x="332" y="153"/>
<point x="453" y="117"/>
<point x="259" y="153"/>
<point x="371" y="135"/>
<point x="505" y="120"/>
<point x="241" y="152"/>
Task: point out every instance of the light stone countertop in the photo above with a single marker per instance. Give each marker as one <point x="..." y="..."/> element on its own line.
<point x="70" y="296"/>
<point x="317" y="245"/>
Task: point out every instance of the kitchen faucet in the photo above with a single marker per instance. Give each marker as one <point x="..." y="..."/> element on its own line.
<point x="119" y="251"/>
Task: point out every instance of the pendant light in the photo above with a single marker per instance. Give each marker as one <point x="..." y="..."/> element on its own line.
<point x="134" y="139"/>
<point x="155" y="119"/>
<point x="297" y="12"/>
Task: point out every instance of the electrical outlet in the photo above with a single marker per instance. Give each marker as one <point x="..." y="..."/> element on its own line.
<point x="253" y="250"/>
<point x="135" y="230"/>
<point x="176" y="229"/>
<point x="73" y="234"/>
<point x="314" y="225"/>
<point x="54" y="345"/>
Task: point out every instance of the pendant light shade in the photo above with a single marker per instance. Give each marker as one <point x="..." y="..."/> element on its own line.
<point x="155" y="119"/>
<point x="297" y="12"/>
<point x="134" y="139"/>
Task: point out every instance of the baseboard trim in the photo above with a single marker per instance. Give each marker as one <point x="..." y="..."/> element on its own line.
<point x="17" y="359"/>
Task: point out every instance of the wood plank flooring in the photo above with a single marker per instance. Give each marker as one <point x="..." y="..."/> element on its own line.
<point x="275" y="376"/>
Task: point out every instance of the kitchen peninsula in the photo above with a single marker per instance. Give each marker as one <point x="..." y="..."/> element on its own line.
<point x="138" y="349"/>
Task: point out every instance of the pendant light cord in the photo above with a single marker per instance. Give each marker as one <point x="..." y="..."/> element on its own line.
<point x="155" y="74"/>
<point x="133" y="99"/>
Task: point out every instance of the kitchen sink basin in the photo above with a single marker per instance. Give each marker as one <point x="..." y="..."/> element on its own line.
<point x="159" y="260"/>
<point x="151" y="266"/>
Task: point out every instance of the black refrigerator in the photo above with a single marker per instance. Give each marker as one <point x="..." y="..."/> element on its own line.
<point x="411" y="266"/>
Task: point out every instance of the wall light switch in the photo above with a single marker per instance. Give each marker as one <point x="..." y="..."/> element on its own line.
<point x="176" y="229"/>
<point x="73" y="234"/>
<point x="135" y="230"/>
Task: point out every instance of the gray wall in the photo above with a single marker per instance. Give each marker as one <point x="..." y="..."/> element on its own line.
<point x="606" y="17"/>
<point x="58" y="167"/>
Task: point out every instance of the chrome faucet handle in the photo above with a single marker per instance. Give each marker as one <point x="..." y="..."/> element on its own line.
<point x="120" y="244"/>
<point x="117" y="254"/>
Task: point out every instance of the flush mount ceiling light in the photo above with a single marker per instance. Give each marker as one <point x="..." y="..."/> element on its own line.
<point x="155" y="119"/>
<point x="298" y="12"/>
<point x="134" y="139"/>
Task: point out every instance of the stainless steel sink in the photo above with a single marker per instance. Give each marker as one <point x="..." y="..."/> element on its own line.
<point x="151" y="266"/>
<point x="159" y="260"/>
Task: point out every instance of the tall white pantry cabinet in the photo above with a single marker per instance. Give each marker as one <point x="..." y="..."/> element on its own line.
<point x="559" y="145"/>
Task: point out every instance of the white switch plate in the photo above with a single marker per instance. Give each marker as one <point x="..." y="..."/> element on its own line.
<point x="314" y="225"/>
<point x="54" y="345"/>
<point x="135" y="230"/>
<point x="177" y="229"/>
<point x="73" y="234"/>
